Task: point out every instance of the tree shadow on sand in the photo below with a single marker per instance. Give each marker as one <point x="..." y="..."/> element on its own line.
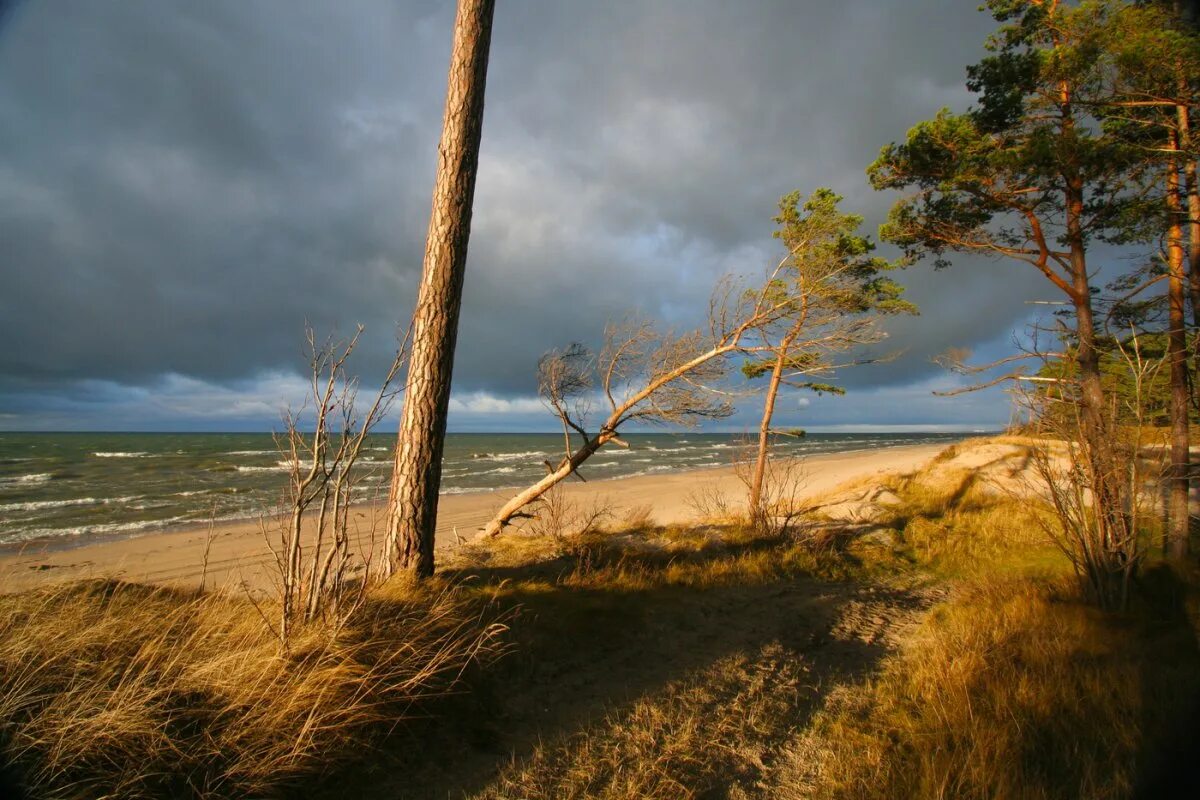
<point x="585" y="649"/>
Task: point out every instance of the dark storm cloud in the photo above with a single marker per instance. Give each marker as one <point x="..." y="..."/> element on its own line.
<point x="183" y="185"/>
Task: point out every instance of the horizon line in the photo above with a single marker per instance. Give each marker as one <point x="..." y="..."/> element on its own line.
<point x="817" y="429"/>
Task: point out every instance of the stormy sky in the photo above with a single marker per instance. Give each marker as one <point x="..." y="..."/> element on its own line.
<point x="184" y="185"/>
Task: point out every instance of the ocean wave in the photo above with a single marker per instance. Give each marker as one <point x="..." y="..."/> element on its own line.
<point x="25" y="480"/>
<point x="460" y="490"/>
<point x="14" y="537"/>
<point x="510" y="456"/>
<point x="122" y="454"/>
<point x="499" y="471"/>
<point x="651" y="470"/>
<point x="252" y="453"/>
<point x="281" y="467"/>
<point x="150" y="505"/>
<point x="40" y="505"/>
<point x="219" y="490"/>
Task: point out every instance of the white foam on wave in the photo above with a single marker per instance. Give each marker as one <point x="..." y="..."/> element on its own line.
<point x="509" y="456"/>
<point x="85" y="530"/>
<point x="252" y="453"/>
<point x="462" y="490"/>
<point x="25" y="480"/>
<point x="650" y="470"/>
<point x="41" y="505"/>
<point x="121" y="454"/>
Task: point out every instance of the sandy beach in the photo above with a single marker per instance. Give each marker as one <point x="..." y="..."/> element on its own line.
<point x="238" y="553"/>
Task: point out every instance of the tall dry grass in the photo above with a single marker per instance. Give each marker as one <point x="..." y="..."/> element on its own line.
<point x="115" y="690"/>
<point x="1016" y="689"/>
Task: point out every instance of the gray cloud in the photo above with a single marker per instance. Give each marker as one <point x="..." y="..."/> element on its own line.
<point x="184" y="185"/>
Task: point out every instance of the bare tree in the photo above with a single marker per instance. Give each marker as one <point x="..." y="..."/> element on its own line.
<point x="645" y="376"/>
<point x="418" y="468"/>
<point x="314" y="558"/>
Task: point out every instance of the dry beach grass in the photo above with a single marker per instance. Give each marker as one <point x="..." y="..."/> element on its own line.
<point x="928" y="643"/>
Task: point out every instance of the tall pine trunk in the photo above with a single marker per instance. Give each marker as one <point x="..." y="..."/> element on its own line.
<point x="1179" y="474"/>
<point x="1187" y="15"/>
<point x="418" y="468"/>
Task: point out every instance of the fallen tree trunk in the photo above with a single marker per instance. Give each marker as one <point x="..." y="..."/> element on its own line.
<point x="648" y="376"/>
<point x="512" y="509"/>
<point x="685" y="403"/>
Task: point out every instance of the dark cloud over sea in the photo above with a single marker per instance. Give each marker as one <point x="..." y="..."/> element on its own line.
<point x="184" y="185"/>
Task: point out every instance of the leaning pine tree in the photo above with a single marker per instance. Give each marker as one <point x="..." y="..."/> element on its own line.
<point x="837" y="291"/>
<point x="418" y="468"/>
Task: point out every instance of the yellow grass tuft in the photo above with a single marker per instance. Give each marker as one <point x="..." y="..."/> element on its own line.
<point x="111" y="689"/>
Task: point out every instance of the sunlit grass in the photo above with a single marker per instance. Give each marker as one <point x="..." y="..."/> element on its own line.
<point x="119" y="690"/>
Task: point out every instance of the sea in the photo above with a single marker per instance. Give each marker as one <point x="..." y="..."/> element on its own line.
<point x="65" y="489"/>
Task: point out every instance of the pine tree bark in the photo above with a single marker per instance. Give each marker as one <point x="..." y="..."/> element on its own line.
<point x="417" y="473"/>
<point x="1177" y="355"/>
<point x="1192" y="190"/>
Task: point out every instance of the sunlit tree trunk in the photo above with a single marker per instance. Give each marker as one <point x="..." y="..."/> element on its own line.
<point x="758" y="476"/>
<point x="1177" y="511"/>
<point x="418" y="467"/>
<point x="1192" y="191"/>
<point x="1093" y="411"/>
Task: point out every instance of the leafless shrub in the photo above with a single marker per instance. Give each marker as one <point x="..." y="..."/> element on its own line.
<point x="639" y="517"/>
<point x="314" y="559"/>
<point x="557" y="517"/>
<point x="1105" y="545"/>
<point x="780" y="508"/>
<point x="711" y="502"/>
